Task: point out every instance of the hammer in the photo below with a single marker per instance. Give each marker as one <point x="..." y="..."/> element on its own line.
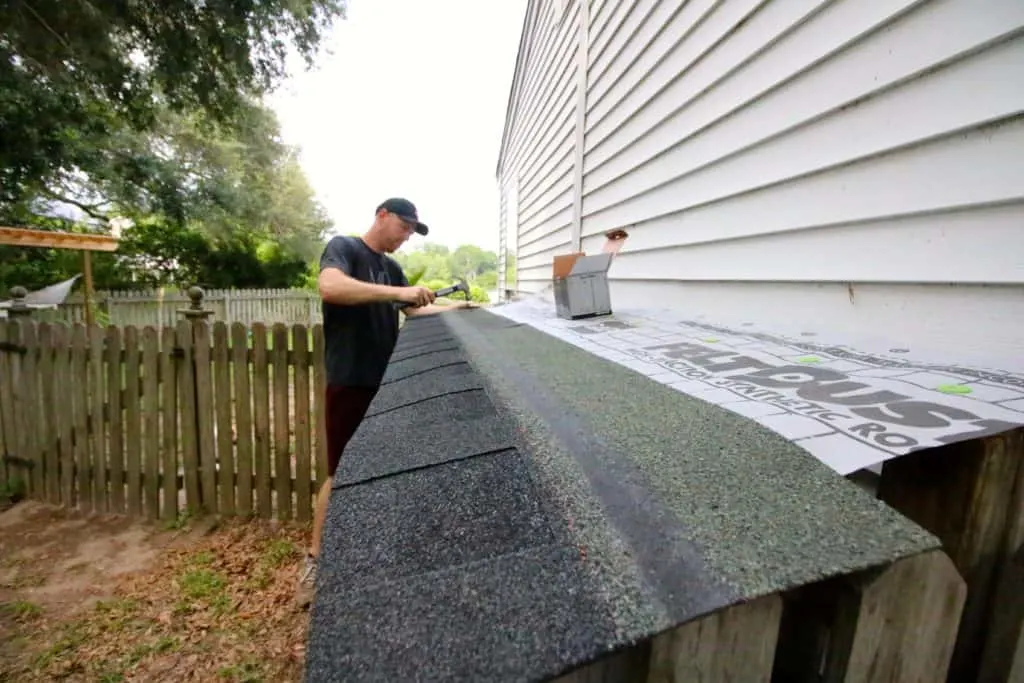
<point x="461" y="286"/>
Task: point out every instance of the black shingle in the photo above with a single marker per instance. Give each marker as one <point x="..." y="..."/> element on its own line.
<point x="533" y="506"/>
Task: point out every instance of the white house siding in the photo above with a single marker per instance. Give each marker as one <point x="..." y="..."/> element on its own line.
<point x="537" y="160"/>
<point x="797" y="162"/>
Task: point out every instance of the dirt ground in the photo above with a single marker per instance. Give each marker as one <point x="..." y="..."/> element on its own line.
<point x="106" y="598"/>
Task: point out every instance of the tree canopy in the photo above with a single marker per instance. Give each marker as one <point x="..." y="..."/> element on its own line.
<point x="436" y="266"/>
<point x="152" y="112"/>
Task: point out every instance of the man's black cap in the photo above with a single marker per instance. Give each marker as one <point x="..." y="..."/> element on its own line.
<point x="405" y="210"/>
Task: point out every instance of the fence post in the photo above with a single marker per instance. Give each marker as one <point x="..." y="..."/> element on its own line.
<point x="196" y="314"/>
<point x="19" y="309"/>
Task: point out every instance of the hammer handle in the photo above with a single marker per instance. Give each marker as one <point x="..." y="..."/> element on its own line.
<point x="444" y="291"/>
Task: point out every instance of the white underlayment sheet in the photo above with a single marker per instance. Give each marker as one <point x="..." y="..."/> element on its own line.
<point x="850" y="409"/>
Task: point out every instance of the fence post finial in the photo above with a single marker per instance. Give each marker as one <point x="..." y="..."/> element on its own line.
<point x="18" y="306"/>
<point x="195" y="311"/>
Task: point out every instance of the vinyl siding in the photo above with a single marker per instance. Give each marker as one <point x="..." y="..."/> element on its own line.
<point x="794" y="148"/>
<point x="538" y="153"/>
<point x="741" y="138"/>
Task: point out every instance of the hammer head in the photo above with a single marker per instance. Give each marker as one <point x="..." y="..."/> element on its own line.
<point x="462" y="287"/>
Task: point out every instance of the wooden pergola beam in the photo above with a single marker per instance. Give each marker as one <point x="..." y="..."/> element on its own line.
<point x="27" y="237"/>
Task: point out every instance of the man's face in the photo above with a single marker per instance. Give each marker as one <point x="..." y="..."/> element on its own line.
<point x="396" y="230"/>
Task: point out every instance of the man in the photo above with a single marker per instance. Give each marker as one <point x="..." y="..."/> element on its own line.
<point x="359" y="287"/>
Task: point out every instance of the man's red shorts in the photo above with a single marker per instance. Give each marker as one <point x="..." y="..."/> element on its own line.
<point x="345" y="408"/>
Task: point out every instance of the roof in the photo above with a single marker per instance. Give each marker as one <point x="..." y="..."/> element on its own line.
<point x="851" y="400"/>
<point x="514" y="507"/>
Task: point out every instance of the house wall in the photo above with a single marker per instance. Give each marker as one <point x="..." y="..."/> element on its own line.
<point x="537" y="159"/>
<point x="793" y="155"/>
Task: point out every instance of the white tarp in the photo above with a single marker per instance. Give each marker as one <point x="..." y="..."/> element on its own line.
<point x="47" y="297"/>
<point x="850" y="409"/>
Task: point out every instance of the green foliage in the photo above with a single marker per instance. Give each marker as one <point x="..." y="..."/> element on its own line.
<point x="80" y="79"/>
<point x="152" y="112"/>
<point x="435" y="266"/>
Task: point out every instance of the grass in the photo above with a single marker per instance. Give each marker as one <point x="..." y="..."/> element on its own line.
<point x="218" y="610"/>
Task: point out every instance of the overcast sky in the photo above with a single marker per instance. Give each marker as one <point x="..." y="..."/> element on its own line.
<point x="410" y="102"/>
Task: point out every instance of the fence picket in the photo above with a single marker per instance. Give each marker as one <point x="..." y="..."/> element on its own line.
<point x="261" y="418"/>
<point x="133" y="420"/>
<point x="204" y="416"/>
<point x="45" y="431"/>
<point x="303" y="473"/>
<point x="319" y="411"/>
<point x="169" y="423"/>
<point x="225" y="427"/>
<point x="151" y="421"/>
<point x="65" y="412"/>
<point x="7" y="433"/>
<point x="18" y="461"/>
<point x="115" y="419"/>
<point x="187" y="401"/>
<point x="282" y="423"/>
<point x="97" y="421"/>
<point x="243" y="417"/>
<point x="80" y="434"/>
<point x="30" y="397"/>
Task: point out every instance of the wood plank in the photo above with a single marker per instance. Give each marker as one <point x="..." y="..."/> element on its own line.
<point x="187" y="415"/>
<point x="29" y="237"/>
<point x="115" y="419"/>
<point x="31" y="409"/>
<point x="48" y="431"/>
<point x="151" y="421"/>
<point x="964" y="493"/>
<point x="168" y="424"/>
<point x="79" y="389"/>
<point x="319" y="410"/>
<point x="1003" y="657"/>
<point x="204" y="416"/>
<point x="6" y="430"/>
<point x="133" y="420"/>
<point x="64" y="403"/>
<point x="97" y="421"/>
<point x="282" y="423"/>
<point x="628" y="666"/>
<point x="735" y="644"/>
<point x="18" y="462"/>
<point x="303" y="468"/>
<point x="225" y="426"/>
<point x="243" y="417"/>
<point x="898" y="624"/>
<point x="261" y="418"/>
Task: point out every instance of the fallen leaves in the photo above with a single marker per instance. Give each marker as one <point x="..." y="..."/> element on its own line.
<point x="220" y="608"/>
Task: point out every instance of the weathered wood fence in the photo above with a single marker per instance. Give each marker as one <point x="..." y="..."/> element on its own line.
<point x="151" y="421"/>
<point x="159" y="308"/>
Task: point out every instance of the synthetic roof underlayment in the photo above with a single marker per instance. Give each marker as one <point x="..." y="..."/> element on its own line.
<point x="851" y="405"/>
<point x="514" y="507"/>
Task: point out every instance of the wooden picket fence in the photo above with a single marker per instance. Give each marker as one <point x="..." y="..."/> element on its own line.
<point x="154" y="421"/>
<point x="159" y="308"/>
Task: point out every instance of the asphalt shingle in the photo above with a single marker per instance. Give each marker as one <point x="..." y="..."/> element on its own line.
<point x="515" y="507"/>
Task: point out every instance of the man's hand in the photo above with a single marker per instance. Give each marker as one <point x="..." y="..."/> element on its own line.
<point x="416" y="296"/>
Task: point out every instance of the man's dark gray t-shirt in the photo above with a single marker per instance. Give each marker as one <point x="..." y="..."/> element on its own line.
<point x="359" y="340"/>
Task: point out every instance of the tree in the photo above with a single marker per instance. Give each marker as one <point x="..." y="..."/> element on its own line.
<point x="75" y="72"/>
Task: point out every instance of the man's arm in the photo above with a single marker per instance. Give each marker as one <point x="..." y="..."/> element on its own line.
<point x="337" y="286"/>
